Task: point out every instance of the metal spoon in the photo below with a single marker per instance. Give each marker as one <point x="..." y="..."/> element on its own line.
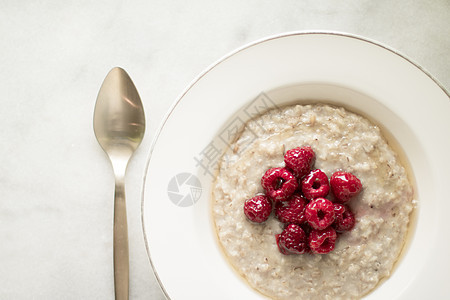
<point x="119" y="125"/>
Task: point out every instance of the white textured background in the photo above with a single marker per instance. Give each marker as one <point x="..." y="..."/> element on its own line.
<point x="56" y="184"/>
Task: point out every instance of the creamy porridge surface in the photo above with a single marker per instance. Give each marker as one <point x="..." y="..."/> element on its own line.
<point x="342" y="141"/>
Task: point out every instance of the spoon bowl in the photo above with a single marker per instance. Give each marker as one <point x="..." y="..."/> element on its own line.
<point x="119" y="126"/>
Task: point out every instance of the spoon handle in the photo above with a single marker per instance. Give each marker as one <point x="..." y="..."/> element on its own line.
<point x="121" y="261"/>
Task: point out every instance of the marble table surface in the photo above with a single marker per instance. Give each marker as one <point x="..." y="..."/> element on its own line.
<point x="56" y="184"/>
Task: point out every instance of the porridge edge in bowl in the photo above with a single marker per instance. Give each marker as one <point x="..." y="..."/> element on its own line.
<point x="341" y="140"/>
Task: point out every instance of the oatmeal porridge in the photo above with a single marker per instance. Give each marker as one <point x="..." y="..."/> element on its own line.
<point x="342" y="141"/>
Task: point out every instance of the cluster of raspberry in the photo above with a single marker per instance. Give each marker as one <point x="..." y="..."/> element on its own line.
<point x="296" y="193"/>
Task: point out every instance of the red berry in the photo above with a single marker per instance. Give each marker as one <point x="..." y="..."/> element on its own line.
<point x="279" y="184"/>
<point x="292" y="240"/>
<point x="315" y="185"/>
<point x="320" y="213"/>
<point x="338" y="209"/>
<point x="300" y="160"/>
<point x="322" y="241"/>
<point x="345" y="186"/>
<point x="292" y="210"/>
<point x="345" y="218"/>
<point x="258" y="208"/>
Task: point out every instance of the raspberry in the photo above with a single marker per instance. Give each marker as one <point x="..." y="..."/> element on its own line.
<point x="338" y="209"/>
<point x="345" y="218"/>
<point x="320" y="213"/>
<point x="292" y="210"/>
<point x="322" y="241"/>
<point x="315" y="185"/>
<point x="258" y="208"/>
<point x="279" y="184"/>
<point x="300" y="160"/>
<point x="345" y="186"/>
<point x="292" y="240"/>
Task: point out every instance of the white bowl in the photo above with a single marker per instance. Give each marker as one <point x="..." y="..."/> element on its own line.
<point x="361" y="75"/>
